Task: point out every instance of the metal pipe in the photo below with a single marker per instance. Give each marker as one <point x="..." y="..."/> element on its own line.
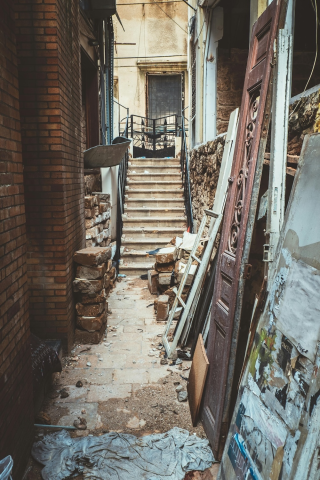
<point x="39" y="425"/>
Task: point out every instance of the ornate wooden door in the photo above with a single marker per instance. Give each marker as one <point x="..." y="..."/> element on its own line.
<point x="235" y="222"/>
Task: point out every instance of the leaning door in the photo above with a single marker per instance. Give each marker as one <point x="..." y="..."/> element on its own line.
<point x="235" y="222"/>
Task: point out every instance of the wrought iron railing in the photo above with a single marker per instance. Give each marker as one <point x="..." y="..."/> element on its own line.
<point x="122" y="180"/>
<point x="154" y="137"/>
<point x="123" y="123"/>
<point x="184" y="162"/>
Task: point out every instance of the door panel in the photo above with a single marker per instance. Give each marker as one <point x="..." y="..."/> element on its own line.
<point x="235" y="221"/>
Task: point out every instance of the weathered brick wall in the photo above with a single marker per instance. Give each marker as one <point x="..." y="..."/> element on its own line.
<point x="50" y="105"/>
<point x="204" y="165"/>
<point x="16" y="405"/>
<point x="230" y="79"/>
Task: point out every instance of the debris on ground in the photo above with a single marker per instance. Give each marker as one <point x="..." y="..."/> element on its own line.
<point x="80" y="423"/>
<point x="163" y="456"/>
<point x="182" y="396"/>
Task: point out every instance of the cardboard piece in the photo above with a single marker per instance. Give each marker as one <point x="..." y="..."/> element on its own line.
<point x="197" y="379"/>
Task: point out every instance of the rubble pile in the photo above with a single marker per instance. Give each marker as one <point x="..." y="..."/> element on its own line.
<point x="95" y="277"/>
<point x="165" y="278"/>
<point x="204" y="165"/>
<point x="302" y="120"/>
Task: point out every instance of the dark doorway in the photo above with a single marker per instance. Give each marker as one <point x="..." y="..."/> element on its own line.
<point x="164" y="96"/>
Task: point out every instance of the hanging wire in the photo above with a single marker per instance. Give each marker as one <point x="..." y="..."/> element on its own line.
<point x="315" y="8"/>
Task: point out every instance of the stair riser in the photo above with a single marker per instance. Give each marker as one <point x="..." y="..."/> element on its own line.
<point x="138" y="259"/>
<point x="156" y="233"/>
<point x="150" y="222"/>
<point x="131" y="194"/>
<point x="149" y="177"/>
<point x="133" y="271"/>
<point x="150" y="202"/>
<point x="151" y="169"/>
<point x="158" y="162"/>
<point x="155" y="185"/>
<point x="135" y="244"/>
<point x="145" y="212"/>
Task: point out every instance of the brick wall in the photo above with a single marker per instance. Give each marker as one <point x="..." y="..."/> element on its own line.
<point x="50" y="106"/>
<point x="230" y="79"/>
<point x="16" y="405"/>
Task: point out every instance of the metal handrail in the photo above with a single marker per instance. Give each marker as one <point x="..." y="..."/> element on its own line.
<point x="122" y="180"/>
<point x="184" y="163"/>
<point x="149" y="135"/>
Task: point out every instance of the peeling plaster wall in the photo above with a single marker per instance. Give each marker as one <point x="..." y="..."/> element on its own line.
<point x="274" y="432"/>
<point x="155" y="35"/>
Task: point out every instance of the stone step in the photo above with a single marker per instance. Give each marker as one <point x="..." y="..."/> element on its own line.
<point x="137" y="256"/>
<point x="154" y="177"/>
<point x="154" y="211"/>
<point x="150" y="243"/>
<point x="133" y="232"/>
<point x="154" y="221"/>
<point x="147" y="193"/>
<point x="154" y="202"/>
<point x="154" y="169"/>
<point x="154" y="161"/>
<point x="135" y="268"/>
<point x="154" y="184"/>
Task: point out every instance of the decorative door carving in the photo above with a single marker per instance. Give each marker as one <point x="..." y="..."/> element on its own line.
<point x="214" y="417"/>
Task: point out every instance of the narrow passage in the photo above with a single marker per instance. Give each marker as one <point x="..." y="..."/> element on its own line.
<point x="125" y="388"/>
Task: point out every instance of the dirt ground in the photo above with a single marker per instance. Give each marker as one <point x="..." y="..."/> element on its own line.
<point x="124" y="386"/>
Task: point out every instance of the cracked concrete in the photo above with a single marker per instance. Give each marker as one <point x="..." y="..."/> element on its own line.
<point x="125" y="388"/>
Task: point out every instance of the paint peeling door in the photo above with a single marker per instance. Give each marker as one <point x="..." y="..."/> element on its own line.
<point x="235" y="221"/>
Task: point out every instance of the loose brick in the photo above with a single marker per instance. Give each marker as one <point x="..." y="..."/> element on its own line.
<point x="93" y="298"/>
<point x="91" y="273"/>
<point x="162" y="308"/>
<point x="88" y="287"/>
<point x="92" y="256"/>
<point x="90" y="310"/>
<point x="89" y="202"/>
<point x="153" y="281"/>
<point x="91" y="324"/>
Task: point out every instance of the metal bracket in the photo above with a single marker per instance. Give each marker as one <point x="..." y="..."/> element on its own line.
<point x="267" y="252"/>
<point x="247" y="271"/>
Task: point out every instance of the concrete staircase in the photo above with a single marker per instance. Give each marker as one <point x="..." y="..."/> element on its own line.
<point x="154" y="211"/>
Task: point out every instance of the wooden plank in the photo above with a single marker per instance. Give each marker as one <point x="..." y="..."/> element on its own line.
<point x="197" y="379"/>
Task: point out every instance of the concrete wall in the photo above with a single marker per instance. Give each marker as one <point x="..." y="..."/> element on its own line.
<point x="160" y="46"/>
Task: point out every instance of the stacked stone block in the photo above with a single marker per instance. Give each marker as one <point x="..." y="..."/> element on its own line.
<point x="97" y="220"/>
<point x="95" y="277"/>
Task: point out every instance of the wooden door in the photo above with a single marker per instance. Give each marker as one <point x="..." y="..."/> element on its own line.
<point x="235" y="221"/>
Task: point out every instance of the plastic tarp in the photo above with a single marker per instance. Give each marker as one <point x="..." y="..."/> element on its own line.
<point x="119" y="456"/>
<point x="5" y="468"/>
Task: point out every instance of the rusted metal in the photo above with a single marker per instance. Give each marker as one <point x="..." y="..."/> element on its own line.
<point x="229" y="269"/>
<point x="247" y="271"/>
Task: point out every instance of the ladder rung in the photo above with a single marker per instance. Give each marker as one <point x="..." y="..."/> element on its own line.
<point x="211" y="213"/>
<point x="196" y="258"/>
<point x="182" y="302"/>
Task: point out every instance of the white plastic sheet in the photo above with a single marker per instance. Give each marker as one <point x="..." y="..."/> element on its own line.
<point x="119" y="456"/>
